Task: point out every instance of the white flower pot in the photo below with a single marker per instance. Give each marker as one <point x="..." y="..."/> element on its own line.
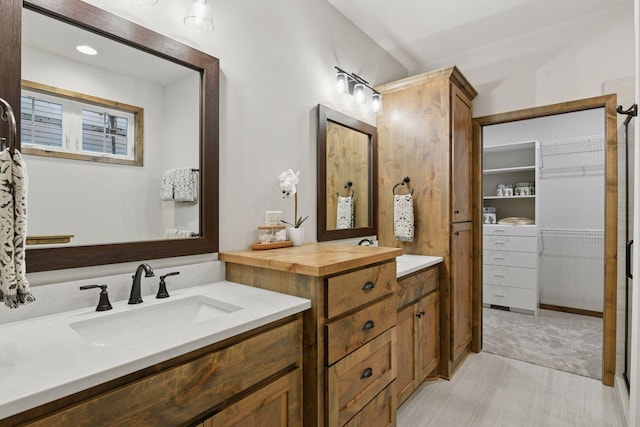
<point x="296" y="235"/>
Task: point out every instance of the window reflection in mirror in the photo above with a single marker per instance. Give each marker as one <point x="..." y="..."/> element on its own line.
<point x="100" y="202"/>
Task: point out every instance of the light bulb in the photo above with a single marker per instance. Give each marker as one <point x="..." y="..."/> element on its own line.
<point x="376" y="102"/>
<point x="358" y="93"/>
<point x="342" y="83"/>
<point x="198" y="17"/>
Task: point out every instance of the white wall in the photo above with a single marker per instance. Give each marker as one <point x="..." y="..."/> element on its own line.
<point x="276" y="61"/>
<point x="561" y="63"/>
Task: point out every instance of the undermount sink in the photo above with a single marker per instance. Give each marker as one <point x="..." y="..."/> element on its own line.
<point x="150" y="321"/>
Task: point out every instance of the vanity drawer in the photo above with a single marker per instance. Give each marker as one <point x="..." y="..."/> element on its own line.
<point x="351" y="290"/>
<point x="348" y="333"/>
<point x="510" y="243"/>
<point x="356" y="379"/>
<point x="415" y="286"/>
<point x="526" y="299"/>
<point x="510" y="258"/>
<point x="510" y="276"/>
<point x="380" y="412"/>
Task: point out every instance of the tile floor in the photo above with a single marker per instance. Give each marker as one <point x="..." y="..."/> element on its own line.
<point x="490" y="390"/>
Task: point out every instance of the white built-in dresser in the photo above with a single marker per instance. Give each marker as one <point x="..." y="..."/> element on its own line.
<point x="510" y="261"/>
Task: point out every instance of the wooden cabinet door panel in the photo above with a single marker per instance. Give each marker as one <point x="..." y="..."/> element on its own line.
<point x="407" y="339"/>
<point x="461" y="289"/>
<point x="460" y="156"/>
<point x="429" y="335"/>
<point x="271" y="406"/>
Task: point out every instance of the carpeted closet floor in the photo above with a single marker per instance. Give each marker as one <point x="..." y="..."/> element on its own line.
<point x="563" y="341"/>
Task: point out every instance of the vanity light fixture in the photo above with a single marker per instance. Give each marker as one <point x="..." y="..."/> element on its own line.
<point x="87" y="50"/>
<point x="198" y="17"/>
<point x="350" y="83"/>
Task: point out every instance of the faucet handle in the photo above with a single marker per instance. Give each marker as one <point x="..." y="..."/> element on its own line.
<point x="103" y="304"/>
<point x="162" y="289"/>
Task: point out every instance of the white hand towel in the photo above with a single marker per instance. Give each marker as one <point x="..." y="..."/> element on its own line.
<point x="166" y="188"/>
<point x="14" y="287"/>
<point x="345" y="213"/>
<point x="185" y="185"/>
<point x="403" y="217"/>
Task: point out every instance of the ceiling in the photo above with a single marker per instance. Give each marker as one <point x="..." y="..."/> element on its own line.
<point x="422" y="32"/>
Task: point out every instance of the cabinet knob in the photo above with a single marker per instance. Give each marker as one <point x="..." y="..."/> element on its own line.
<point x="366" y="374"/>
<point x="369" y="324"/>
<point x="418" y="315"/>
<point x="422" y="313"/>
<point x="457" y="212"/>
<point x="368" y="286"/>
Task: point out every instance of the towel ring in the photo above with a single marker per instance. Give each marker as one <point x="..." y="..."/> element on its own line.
<point x="406" y="181"/>
<point x="349" y="187"/>
<point x="6" y="114"/>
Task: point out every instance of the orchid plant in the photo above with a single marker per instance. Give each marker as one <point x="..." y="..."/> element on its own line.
<point x="288" y="184"/>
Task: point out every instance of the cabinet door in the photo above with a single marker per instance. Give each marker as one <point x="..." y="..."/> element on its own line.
<point x="461" y="296"/>
<point x="428" y="336"/>
<point x="406" y="351"/>
<point x="461" y="177"/>
<point x="275" y="405"/>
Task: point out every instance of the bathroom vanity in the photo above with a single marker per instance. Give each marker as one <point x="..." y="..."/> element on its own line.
<point x="350" y="331"/>
<point x="209" y="355"/>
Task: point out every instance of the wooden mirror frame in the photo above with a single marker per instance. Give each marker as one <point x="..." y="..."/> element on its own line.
<point x="326" y="115"/>
<point x="93" y="19"/>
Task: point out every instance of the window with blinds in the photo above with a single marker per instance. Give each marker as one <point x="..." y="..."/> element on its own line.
<point x="60" y="123"/>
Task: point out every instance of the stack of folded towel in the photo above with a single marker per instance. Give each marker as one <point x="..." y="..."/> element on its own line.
<point x="174" y="233"/>
<point x="180" y="185"/>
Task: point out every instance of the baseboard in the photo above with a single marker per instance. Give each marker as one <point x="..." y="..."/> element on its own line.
<point x="622" y="397"/>
<point x="571" y="310"/>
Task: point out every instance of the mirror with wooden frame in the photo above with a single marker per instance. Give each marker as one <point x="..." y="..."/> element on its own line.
<point x="347" y="174"/>
<point x="157" y="59"/>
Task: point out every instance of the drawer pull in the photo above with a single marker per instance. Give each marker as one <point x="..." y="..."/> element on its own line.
<point x="498" y="296"/>
<point x="368" y="286"/>
<point x="366" y="374"/>
<point x="498" y="275"/>
<point x="369" y="324"/>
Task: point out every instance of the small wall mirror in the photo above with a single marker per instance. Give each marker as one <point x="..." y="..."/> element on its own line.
<point x="347" y="175"/>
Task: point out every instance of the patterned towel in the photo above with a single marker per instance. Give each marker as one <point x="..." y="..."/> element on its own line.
<point x="166" y="188"/>
<point x="14" y="287"/>
<point x="403" y="217"/>
<point x="185" y="185"/>
<point x="345" y="213"/>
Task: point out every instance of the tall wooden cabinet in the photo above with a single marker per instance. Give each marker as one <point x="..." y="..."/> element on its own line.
<point x="425" y="133"/>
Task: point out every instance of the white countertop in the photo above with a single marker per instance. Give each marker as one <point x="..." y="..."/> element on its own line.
<point x="43" y="359"/>
<point x="407" y="264"/>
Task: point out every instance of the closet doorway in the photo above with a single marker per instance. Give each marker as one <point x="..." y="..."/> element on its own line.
<point x="601" y="239"/>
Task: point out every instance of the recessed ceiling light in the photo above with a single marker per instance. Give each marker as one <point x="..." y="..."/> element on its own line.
<point x="87" y="50"/>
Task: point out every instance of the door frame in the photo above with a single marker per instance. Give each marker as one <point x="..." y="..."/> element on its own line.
<point x="608" y="102"/>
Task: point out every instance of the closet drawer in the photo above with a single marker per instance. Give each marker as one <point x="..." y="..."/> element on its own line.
<point x="348" y="333"/>
<point x="510" y="243"/>
<point x="358" y="378"/>
<point x="526" y="299"/>
<point x="510" y="230"/>
<point x="351" y="290"/>
<point x="510" y="276"/>
<point x="510" y="258"/>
